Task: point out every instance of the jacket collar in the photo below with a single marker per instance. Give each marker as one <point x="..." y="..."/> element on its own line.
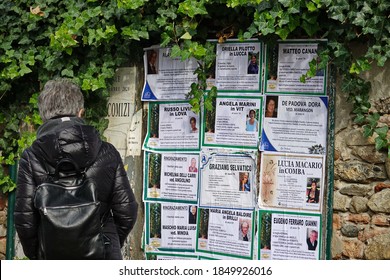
<point x="58" y="122"/>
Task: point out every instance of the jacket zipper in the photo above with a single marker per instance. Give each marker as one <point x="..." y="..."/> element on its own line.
<point x="70" y="206"/>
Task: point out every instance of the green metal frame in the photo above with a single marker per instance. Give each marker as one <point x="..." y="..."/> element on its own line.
<point x="328" y="212"/>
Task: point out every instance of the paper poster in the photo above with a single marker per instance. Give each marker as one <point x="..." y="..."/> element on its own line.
<point x="121" y="108"/>
<point x="172" y="126"/>
<point x="287" y="61"/>
<point x="289" y="236"/>
<point x="225" y="232"/>
<point x="291" y="181"/>
<point x="171" y="177"/>
<point x="118" y="139"/>
<point x="134" y="142"/>
<point x="227" y="180"/>
<point x="167" y="78"/>
<point x="235" y="123"/>
<point x="295" y="124"/>
<point x="170" y="226"/>
<point x="238" y="66"/>
<point x="120" y="105"/>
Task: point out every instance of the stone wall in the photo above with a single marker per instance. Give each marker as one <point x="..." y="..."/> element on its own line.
<point x="361" y="210"/>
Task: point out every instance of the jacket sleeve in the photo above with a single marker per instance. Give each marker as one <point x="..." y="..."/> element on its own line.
<point x="25" y="214"/>
<point x="123" y="204"/>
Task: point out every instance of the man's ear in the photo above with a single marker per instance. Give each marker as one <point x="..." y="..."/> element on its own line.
<point x="81" y="113"/>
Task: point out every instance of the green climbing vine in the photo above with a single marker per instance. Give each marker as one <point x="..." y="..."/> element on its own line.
<point x="15" y="137"/>
<point x="87" y="40"/>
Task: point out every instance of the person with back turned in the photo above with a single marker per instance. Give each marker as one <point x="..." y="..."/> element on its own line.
<point x="64" y="135"/>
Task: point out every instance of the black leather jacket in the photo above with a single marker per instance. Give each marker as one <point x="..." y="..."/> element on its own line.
<point x="70" y="137"/>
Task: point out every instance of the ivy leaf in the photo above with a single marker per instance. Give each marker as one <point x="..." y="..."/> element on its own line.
<point x="25" y="40"/>
<point x="186" y="36"/>
<point x="340" y="51"/>
<point x="283" y="32"/>
<point x="380" y="143"/>
<point x="293" y="23"/>
<point x="195" y="105"/>
<point x="185" y="54"/>
<point x="250" y="32"/>
<point x="264" y="5"/>
<point x="91" y="13"/>
<point x="69" y="51"/>
<point x="67" y="73"/>
<point x="294" y="8"/>
<point x="247" y="35"/>
<point x="175" y="51"/>
<point x="383" y="6"/>
<point x="310" y="28"/>
<point x="268" y="28"/>
<point x="284" y="19"/>
<point x="165" y="39"/>
<point x="337" y="15"/>
<point x="199" y="52"/>
<point x="381" y="60"/>
<point x="371" y="29"/>
<point x="131" y="4"/>
<point x="285" y="3"/>
<point x="354" y="69"/>
<point x="24" y="69"/>
<point x="192" y="8"/>
<point x="130" y="32"/>
<point x="382" y="131"/>
<point x="86" y="85"/>
<point x="311" y="7"/>
<point x="208" y="104"/>
<point x="367" y="130"/>
<point x="366" y="8"/>
<point x="193" y="101"/>
<point x="373" y="119"/>
<point x="359" y="19"/>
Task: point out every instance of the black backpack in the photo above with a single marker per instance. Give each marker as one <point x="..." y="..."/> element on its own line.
<point x="70" y="226"/>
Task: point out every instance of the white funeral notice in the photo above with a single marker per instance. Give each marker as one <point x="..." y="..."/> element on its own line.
<point x="178" y="128"/>
<point x="237" y="123"/>
<point x="178" y="180"/>
<point x="227" y="181"/>
<point x="293" y="62"/>
<point x="297" y="124"/>
<point x="289" y="236"/>
<point x="238" y="66"/>
<point x="291" y="181"/>
<point x="174" y="227"/>
<point x="167" y="78"/>
<point x="227" y="233"/>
